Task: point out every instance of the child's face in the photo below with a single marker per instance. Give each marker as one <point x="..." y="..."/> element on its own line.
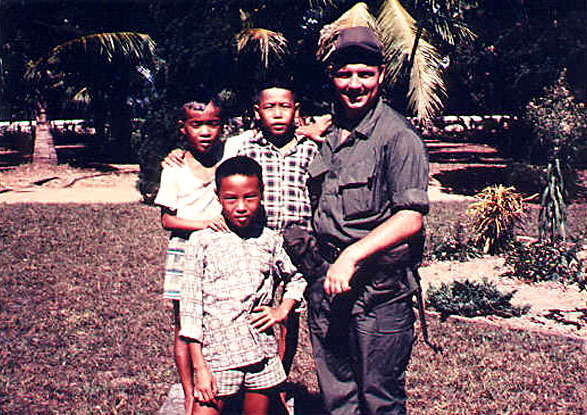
<point x="240" y="197"/>
<point x="277" y="111"/>
<point x="201" y="128"/>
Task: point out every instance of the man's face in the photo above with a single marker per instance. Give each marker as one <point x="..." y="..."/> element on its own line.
<point x="201" y="128"/>
<point x="240" y="197"/>
<point x="276" y="111"/>
<point x="357" y="86"/>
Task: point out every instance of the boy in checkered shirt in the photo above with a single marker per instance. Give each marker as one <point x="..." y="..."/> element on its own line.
<point x="227" y="295"/>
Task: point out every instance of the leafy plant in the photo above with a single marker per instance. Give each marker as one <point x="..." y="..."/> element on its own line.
<point x="541" y="261"/>
<point x="559" y="123"/>
<point x="454" y="247"/>
<point x="471" y="299"/>
<point x="494" y="216"/>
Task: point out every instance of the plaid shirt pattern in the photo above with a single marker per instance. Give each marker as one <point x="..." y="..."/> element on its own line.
<point x="225" y="278"/>
<point x="286" y="199"/>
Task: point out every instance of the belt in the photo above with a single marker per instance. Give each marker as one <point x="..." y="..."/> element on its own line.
<point x="329" y="251"/>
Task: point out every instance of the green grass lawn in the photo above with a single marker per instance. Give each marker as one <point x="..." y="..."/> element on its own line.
<point x="83" y="329"/>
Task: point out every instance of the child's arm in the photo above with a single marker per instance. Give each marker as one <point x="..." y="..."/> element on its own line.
<point x="264" y="317"/>
<point x="205" y="388"/>
<point x="191" y="309"/>
<point x="170" y="221"/>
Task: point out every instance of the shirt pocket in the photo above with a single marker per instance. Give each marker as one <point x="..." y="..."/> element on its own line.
<point x="357" y="188"/>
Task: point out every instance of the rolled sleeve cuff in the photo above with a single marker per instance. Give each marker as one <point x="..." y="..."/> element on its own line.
<point x="412" y="199"/>
<point x="191" y="332"/>
<point x="295" y="289"/>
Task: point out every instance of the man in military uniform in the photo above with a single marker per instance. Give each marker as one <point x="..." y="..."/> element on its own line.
<point x="368" y="187"/>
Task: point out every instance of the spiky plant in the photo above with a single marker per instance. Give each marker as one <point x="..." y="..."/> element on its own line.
<point x="358" y="15"/>
<point x="494" y="216"/>
<point x="406" y="47"/>
<point x="262" y="42"/>
<point x="552" y="223"/>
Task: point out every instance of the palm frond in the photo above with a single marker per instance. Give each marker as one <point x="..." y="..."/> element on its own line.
<point x="82" y="97"/>
<point x="426" y="88"/>
<point x="263" y="41"/>
<point x="450" y="30"/>
<point x="403" y="40"/>
<point x="358" y="15"/>
<point x="130" y="46"/>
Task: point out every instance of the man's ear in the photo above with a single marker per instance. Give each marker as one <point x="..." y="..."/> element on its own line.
<point x="381" y="74"/>
<point x="296" y="109"/>
<point x="330" y="71"/>
<point x="181" y="126"/>
<point x="256" y="111"/>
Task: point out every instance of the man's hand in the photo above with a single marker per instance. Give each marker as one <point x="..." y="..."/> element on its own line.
<point x="339" y="274"/>
<point x="174" y="158"/>
<point x="217" y="224"/>
<point x="205" y="388"/>
<point x="316" y="130"/>
<point x="264" y="317"/>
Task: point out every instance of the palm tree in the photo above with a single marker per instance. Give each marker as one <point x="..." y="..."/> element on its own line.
<point x="94" y="67"/>
<point x="407" y="44"/>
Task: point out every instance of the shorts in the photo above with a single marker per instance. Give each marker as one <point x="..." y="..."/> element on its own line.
<point x="266" y="374"/>
<point x="174" y="260"/>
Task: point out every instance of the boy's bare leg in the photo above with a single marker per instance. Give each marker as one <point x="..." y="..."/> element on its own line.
<point x="208" y="409"/>
<point x="287" y="344"/>
<point x="258" y="402"/>
<point x="184" y="364"/>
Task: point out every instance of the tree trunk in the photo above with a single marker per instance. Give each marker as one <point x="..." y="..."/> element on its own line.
<point x="44" y="149"/>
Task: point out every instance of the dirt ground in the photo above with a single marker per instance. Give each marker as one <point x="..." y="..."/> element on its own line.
<point x="566" y="306"/>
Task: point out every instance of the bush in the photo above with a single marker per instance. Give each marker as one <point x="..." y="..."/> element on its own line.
<point x="472" y="299"/>
<point x="494" y="216"/>
<point x="559" y="124"/>
<point x="454" y="247"/>
<point x="539" y="261"/>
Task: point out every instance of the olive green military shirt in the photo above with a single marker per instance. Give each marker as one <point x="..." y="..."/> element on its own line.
<point x="381" y="168"/>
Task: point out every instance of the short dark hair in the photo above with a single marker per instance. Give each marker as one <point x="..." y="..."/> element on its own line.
<point x="197" y="100"/>
<point x="287" y="85"/>
<point x="239" y="165"/>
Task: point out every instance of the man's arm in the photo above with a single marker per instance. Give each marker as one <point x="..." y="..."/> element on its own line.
<point x="315" y="131"/>
<point x="395" y="230"/>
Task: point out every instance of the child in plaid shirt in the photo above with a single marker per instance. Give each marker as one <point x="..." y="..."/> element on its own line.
<point x="188" y="203"/>
<point x="227" y="295"/>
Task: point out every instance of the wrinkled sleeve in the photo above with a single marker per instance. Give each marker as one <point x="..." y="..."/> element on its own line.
<point x="407" y="173"/>
<point x="191" y="304"/>
<point x="168" y="190"/>
<point x="295" y="284"/>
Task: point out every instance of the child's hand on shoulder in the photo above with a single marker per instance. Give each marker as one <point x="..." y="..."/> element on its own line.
<point x="174" y="158"/>
<point x="265" y="317"/>
<point x="217" y="224"/>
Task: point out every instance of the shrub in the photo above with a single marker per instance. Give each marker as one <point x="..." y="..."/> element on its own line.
<point x="539" y="261"/>
<point x="559" y="124"/>
<point x="452" y="247"/>
<point x="494" y="215"/>
<point x="472" y="299"/>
